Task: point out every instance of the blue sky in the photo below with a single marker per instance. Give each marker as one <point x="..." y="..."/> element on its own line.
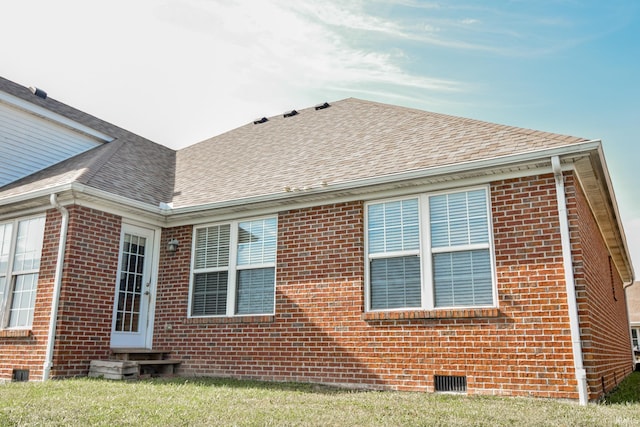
<point x="178" y="72"/>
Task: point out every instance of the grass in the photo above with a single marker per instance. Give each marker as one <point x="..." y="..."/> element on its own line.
<point x="211" y="402"/>
<point x="627" y="392"/>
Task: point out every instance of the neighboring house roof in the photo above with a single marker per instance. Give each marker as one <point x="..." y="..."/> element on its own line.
<point x="129" y="166"/>
<point x="351" y="147"/>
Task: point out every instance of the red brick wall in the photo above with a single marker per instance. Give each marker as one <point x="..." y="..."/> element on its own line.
<point x="601" y="300"/>
<point x="320" y="334"/>
<point x="28" y="352"/>
<point x="86" y="299"/>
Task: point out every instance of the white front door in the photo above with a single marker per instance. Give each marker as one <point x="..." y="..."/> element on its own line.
<point x="132" y="312"/>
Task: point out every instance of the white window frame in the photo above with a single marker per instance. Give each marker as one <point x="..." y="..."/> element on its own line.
<point x="6" y="298"/>
<point x="635" y="342"/>
<point x="232" y="269"/>
<point x="425" y="253"/>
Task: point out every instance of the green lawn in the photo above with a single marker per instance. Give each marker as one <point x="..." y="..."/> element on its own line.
<point x="194" y="402"/>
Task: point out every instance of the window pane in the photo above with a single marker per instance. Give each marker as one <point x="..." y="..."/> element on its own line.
<point x="462" y="279"/>
<point x="478" y="216"/>
<point x="257" y="241"/>
<point x="28" y="245"/>
<point x="459" y="219"/>
<point x="393" y="226"/>
<point x="212" y="247"/>
<point x="209" y="294"/>
<point x="395" y="283"/>
<point x="5" y="243"/>
<point x="255" y="292"/>
<point x="23" y="301"/>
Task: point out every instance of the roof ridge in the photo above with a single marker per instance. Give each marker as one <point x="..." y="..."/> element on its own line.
<point x="97" y="163"/>
<point x="479" y="122"/>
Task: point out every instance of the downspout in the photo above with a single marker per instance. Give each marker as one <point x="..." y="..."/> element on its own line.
<point x="57" y="284"/>
<point x="626" y="306"/>
<point x="574" y="324"/>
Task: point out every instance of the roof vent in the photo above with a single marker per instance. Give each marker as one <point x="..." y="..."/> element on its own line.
<point x="290" y="113"/>
<point x="322" y="106"/>
<point x="262" y="120"/>
<point x="38" y="92"/>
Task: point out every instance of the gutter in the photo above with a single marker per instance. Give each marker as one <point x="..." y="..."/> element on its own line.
<point x="57" y="285"/>
<point x="574" y="323"/>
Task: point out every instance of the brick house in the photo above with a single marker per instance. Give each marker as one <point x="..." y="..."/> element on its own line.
<point x="351" y="243"/>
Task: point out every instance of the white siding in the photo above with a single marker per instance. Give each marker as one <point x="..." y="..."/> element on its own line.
<point x="29" y="143"/>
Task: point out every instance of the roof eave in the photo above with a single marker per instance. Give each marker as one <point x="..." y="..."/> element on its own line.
<point x="596" y="182"/>
<point x="76" y="192"/>
<point x="367" y="185"/>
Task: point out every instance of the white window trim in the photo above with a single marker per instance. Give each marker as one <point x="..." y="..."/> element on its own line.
<point x="425" y="252"/>
<point x="6" y="299"/>
<point x="231" y="269"/>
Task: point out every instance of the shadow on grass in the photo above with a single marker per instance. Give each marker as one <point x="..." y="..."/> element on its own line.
<point x="627" y="392"/>
<point x="253" y="384"/>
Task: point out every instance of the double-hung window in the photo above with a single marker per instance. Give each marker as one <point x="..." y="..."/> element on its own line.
<point x="234" y="268"/>
<point x="430" y="251"/>
<point x="20" y="252"/>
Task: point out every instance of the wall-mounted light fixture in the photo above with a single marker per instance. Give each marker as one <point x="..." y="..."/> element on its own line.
<point x="172" y="245"/>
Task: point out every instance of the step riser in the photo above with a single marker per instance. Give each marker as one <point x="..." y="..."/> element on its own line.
<point x="127" y="364"/>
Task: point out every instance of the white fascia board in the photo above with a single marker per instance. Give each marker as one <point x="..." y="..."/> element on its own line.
<point x="614" y="203"/>
<point x="53" y="117"/>
<point x="84" y="195"/>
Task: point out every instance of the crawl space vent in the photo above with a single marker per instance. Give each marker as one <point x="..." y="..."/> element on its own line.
<point x="450" y="383"/>
<point x="20" y="375"/>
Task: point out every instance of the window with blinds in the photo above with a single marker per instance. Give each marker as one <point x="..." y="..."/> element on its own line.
<point x="394" y="254"/>
<point x="460" y="249"/>
<point x="234" y="268"/>
<point x="430" y="251"/>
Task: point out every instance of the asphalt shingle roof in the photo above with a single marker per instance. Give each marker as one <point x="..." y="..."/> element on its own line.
<point x="350" y="140"/>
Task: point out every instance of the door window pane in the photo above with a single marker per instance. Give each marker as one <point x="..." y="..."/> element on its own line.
<point x="131" y="287"/>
